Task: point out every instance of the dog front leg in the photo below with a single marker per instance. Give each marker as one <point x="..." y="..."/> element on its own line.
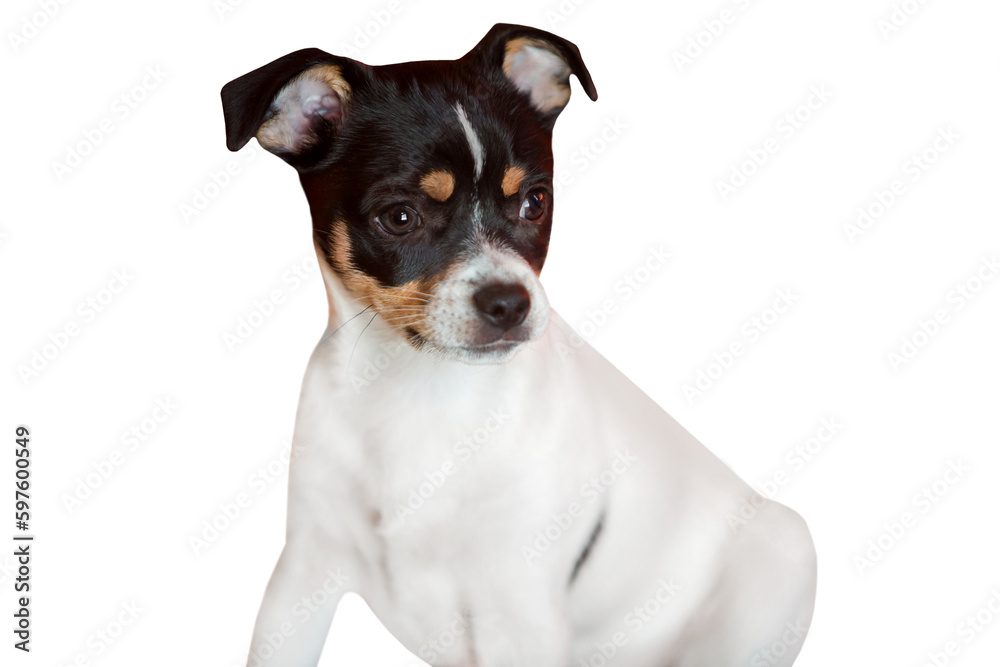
<point x="299" y="603"/>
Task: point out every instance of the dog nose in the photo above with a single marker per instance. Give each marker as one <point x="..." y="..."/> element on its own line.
<point x="503" y="306"/>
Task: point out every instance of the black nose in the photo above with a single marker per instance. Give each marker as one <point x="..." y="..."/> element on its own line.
<point x="503" y="306"/>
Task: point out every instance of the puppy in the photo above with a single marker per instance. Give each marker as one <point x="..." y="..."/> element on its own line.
<point x="498" y="493"/>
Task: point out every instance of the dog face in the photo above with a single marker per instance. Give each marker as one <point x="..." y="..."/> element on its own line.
<point x="429" y="183"/>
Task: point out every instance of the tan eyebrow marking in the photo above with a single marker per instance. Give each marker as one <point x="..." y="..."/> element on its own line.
<point x="438" y="184"/>
<point x="512" y="179"/>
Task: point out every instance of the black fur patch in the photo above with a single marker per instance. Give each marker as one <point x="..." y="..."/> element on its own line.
<point x="401" y="124"/>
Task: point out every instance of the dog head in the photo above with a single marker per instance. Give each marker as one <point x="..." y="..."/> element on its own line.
<point x="429" y="183"/>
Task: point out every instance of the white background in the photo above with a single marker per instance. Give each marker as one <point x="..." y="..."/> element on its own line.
<point x="681" y="129"/>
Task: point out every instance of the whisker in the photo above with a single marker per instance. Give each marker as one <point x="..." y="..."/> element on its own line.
<point x="414" y="317"/>
<point x="415" y="311"/>
<point x="358" y="339"/>
<point x="327" y="337"/>
<point x="403" y="317"/>
<point x="412" y="291"/>
<point x="404" y="297"/>
<point x="400" y="288"/>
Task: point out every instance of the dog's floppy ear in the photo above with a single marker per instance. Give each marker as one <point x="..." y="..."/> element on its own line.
<point x="537" y="62"/>
<point x="294" y="105"/>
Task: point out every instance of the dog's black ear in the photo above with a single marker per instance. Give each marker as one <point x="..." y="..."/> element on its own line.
<point x="537" y="62"/>
<point x="294" y="105"/>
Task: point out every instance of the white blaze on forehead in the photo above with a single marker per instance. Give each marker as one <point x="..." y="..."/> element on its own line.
<point x="477" y="220"/>
<point x="474" y="144"/>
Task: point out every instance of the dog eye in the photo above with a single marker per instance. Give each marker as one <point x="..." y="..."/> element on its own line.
<point x="534" y="205"/>
<point x="399" y="219"/>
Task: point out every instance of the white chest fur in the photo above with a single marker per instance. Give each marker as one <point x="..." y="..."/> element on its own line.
<point x="443" y="476"/>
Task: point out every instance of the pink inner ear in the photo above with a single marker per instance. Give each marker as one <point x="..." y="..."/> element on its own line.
<point x="318" y="99"/>
<point x="298" y="109"/>
<point x="540" y="73"/>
